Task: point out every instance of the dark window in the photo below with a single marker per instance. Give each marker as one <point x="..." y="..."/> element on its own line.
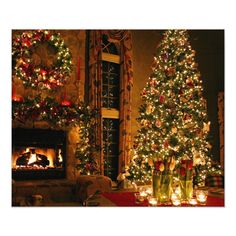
<point x="110" y="84"/>
<point x="107" y="46"/>
<point x="111" y="147"/>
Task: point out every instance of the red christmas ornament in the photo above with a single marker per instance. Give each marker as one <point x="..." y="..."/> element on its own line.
<point x="26" y="43"/>
<point x="37" y="37"/>
<point x="153" y="82"/>
<point x="26" y="65"/>
<point x="47" y="35"/>
<point x="88" y="166"/>
<point x="144" y="92"/>
<point x="161" y="99"/>
<point x="43" y="72"/>
<point x="164" y="56"/>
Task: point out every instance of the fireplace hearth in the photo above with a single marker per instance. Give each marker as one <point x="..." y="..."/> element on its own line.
<point x="38" y="154"/>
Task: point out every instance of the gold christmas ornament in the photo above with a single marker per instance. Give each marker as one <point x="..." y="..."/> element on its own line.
<point x="206" y="127"/>
<point x="150" y="162"/>
<point x="174" y="130"/>
<point x="154" y="147"/>
<point x="209" y="145"/>
<point x="150" y="109"/>
<point x="158" y="123"/>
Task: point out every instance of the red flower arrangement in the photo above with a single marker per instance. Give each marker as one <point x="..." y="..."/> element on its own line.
<point x="186" y="169"/>
<point x="164" y="165"/>
<point x="186" y="179"/>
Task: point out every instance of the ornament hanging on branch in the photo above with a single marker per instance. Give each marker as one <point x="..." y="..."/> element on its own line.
<point x="150" y="109"/>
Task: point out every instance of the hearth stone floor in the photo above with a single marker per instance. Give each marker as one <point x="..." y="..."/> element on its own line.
<point x="94" y="201"/>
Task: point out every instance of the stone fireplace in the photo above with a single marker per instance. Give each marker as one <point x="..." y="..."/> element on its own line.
<point x="53" y="152"/>
<point x="38" y="154"/>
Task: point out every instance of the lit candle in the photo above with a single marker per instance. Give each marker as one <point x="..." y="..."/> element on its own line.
<point x="65" y="102"/>
<point x="177" y="191"/>
<point x="193" y="201"/>
<point x="143" y="194"/>
<point x="16" y="97"/>
<point x="152" y="201"/>
<point x="201" y="196"/>
<point x="175" y="198"/>
<point x="176" y="202"/>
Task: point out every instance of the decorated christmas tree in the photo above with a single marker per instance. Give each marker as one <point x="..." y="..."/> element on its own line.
<point x="173" y="117"/>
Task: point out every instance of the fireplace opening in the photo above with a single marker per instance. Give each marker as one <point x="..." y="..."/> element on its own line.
<point x="38" y="154"/>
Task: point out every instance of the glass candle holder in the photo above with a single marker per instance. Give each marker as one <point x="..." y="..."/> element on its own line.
<point x="175" y="199"/>
<point x="152" y="201"/>
<point x="176" y="202"/>
<point x="143" y="194"/>
<point x="138" y="198"/>
<point x="193" y="201"/>
<point x="201" y="196"/>
<point x="174" y="196"/>
<point x="177" y="190"/>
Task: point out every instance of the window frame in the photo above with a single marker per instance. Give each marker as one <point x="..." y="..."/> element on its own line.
<point x="110" y="113"/>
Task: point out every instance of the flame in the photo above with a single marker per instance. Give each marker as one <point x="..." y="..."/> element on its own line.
<point x="60" y="156"/>
<point x="32" y="159"/>
<point x="50" y="153"/>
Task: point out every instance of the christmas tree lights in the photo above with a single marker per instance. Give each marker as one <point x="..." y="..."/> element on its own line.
<point x="173" y="117"/>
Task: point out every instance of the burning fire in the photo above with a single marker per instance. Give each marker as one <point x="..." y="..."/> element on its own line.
<point x="37" y="158"/>
<point x="60" y="159"/>
<point x="33" y="158"/>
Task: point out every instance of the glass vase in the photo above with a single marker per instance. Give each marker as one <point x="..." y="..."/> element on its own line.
<point x="186" y="187"/>
<point x="162" y="186"/>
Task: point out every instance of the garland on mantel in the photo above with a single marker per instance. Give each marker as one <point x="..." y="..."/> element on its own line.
<point x="63" y="115"/>
<point x="39" y="76"/>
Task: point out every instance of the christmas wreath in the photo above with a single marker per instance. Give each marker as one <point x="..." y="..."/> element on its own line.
<point x="36" y="74"/>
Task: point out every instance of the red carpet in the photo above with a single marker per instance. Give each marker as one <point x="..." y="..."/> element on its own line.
<point x="127" y="199"/>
